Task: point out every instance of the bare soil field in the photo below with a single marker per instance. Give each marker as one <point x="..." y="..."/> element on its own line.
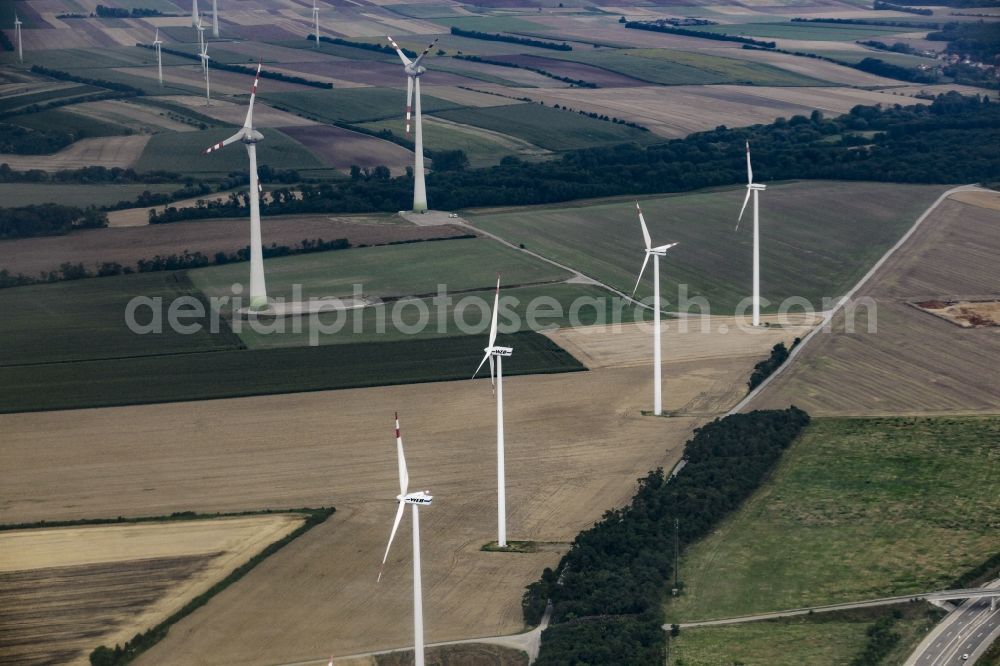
<point x="914" y="363"/>
<point x="127" y="245"/>
<point x="111" y="151"/>
<point x="967" y="314"/>
<point x="140" y="118"/>
<point x="575" y="445"/>
<point x="679" y="110"/>
<point x="236" y="112"/>
<point x="67" y="590"/>
<point x="340" y="148"/>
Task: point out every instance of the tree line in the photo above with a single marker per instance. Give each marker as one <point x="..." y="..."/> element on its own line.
<point x="687" y="32"/>
<point x="951" y="140"/>
<point x="367" y="46"/>
<point x="578" y="83"/>
<point x="607" y="592"/>
<point x="523" y="41"/>
<point x="881" y="4"/>
<point x="766" y="368"/>
<point x="243" y="69"/>
<point x="48" y="219"/>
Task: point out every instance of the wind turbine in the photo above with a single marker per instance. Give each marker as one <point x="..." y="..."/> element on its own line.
<point x="215" y="18"/>
<point x="498" y="352"/>
<point x="755" y="188"/>
<point x="413" y="72"/>
<point x="316" y="21"/>
<point x="195" y="15"/>
<point x="201" y="38"/>
<point x="204" y="63"/>
<point x="159" y="56"/>
<point x="417" y="499"/>
<point x="249" y="136"/>
<point x="17" y="31"/>
<point x="656" y="253"/>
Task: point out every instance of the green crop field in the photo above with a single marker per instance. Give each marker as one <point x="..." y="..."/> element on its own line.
<point x="85" y="319"/>
<point x="185" y="152"/>
<point x="817" y="238"/>
<point x="81" y="126"/>
<point x="668" y="67"/>
<point x="71" y="194"/>
<point x="224" y="374"/>
<point x="482" y="148"/>
<point x="15" y="102"/>
<point x="352" y="105"/>
<point x="854" y="57"/>
<point x="147" y="84"/>
<point x="533" y="123"/>
<point x="104" y="58"/>
<point x="409" y="269"/>
<point x="538" y="307"/>
<point x="857" y="509"/>
<point x="826" y="638"/>
<point x="804" y="30"/>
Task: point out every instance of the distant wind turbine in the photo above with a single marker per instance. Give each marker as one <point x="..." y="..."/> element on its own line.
<point x="492" y="351"/>
<point x="414" y="70"/>
<point x="417" y="499"/>
<point x="195" y="14"/>
<point x="159" y="56"/>
<point x="215" y="18"/>
<point x="656" y="253"/>
<point x="204" y="63"/>
<point x="755" y="188"/>
<point x="17" y="31"/>
<point x="249" y="136"/>
<point x="201" y="40"/>
<point x="316" y="22"/>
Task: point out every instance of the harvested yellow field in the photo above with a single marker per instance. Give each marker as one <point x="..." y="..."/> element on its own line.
<point x="912" y="363"/>
<point x="109" y="151"/>
<point x="66" y="590"/>
<point x="575" y="445"/>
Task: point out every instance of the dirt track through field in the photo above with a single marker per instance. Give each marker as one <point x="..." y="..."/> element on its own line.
<point x="914" y="362"/>
<point x="575" y="445"/>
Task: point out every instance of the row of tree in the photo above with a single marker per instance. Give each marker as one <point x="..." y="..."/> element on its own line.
<point x="951" y="140"/>
<point x="367" y="46"/>
<point x="523" y="41"/>
<point x="243" y="69"/>
<point x="889" y="6"/>
<point x="703" y="34"/>
<point x="607" y="592"/>
<point x="765" y="368"/>
<point x="578" y="83"/>
<point x="48" y="219"/>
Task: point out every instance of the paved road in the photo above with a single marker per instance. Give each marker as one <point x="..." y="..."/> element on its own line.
<point x="968" y="630"/>
<point x="976" y="594"/>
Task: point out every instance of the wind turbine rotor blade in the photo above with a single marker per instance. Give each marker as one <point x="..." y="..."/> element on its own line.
<point x="493" y="375"/>
<point x="743" y="210"/>
<point x="641" y="271"/>
<point x="402" y="56"/>
<point x="221" y="144"/>
<point x="248" y="123"/>
<point x="424" y="52"/>
<point x="392" y="535"/>
<point x="496" y="310"/>
<point x="645" y="231"/>
<point x="409" y="101"/>
<point x="404" y="477"/>
<point x="480" y="366"/>
<point x="749" y="168"/>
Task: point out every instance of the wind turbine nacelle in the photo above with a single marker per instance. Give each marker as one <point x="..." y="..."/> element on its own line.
<point x="418" y="498"/>
<point x="253" y="136"/>
<point x="755" y="186"/>
<point x="502" y="351"/>
<point x="415" y="71"/>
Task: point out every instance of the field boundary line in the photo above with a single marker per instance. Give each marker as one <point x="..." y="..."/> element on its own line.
<point x="829" y="314"/>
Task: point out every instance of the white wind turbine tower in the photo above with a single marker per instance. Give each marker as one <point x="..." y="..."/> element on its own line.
<point x="415" y="500"/>
<point x="201" y="39"/>
<point x="755" y="188"/>
<point x="498" y="352"/>
<point x="159" y="56"/>
<point x="249" y="136"/>
<point x="215" y="18"/>
<point x="204" y="63"/>
<point x="656" y="253"/>
<point x="413" y="71"/>
<point x="195" y="14"/>
<point x="316" y="22"/>
<point x="17" y="31"/>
